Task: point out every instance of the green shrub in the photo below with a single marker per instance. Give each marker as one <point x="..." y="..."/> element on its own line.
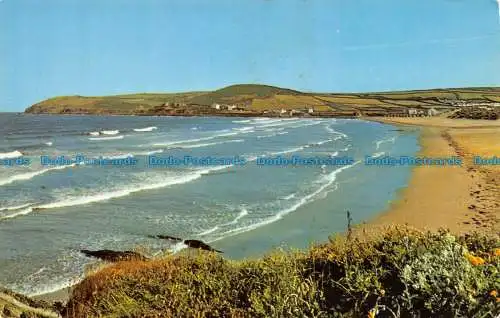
<point x="399" y="273"/>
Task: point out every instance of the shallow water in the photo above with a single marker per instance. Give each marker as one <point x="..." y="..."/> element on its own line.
<point x="48" y="213"/>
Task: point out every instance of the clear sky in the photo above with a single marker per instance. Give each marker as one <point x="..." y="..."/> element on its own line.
<point x="99" y="47"/>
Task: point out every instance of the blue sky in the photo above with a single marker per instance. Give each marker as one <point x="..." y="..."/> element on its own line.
<point x="100" y="47"/>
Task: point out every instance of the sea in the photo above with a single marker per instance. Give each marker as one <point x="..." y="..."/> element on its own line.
<point x="49" y="212"/>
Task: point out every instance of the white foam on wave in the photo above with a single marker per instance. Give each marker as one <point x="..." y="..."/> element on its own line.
<point x="177" y="247"/>
<point x="15" y="207"/>
<point x="378" y="143"/>
<point x="110" y="132"/>
<point x="16" y="214"/>
<point x="242" y="214"/>
<point x="49" y="143"/>
<point x="98" y="197"/>
<point x="289" y="197"/>
<point x="61" y="285"/>
<point x="319" y="143"/>
<point x="145" y="129"/>
<point x="279" y="133"/>
<point x="182" y="141"/>
<point x="275" y="153"/>
<point x="266" y="136"/>
<point x="119" y="156"/>
<point x="10" y="155"/>
<point x="314" y="123"/>
<point x="245" y="128"/>
<point x="30" y="175"/>
<point x="148" y="153"/>
<point x="261" y="119"/>
<point x="333" y="131"/>
<point x="378" y="154"/>
<point x="274" y="129"/>
<point x="328" y="180"/>
<point x="275" y="124"/>
<point x="291" y="150"/>
<point x="211" y="144"/>
<point x="106" y="138"/>
<point x="241" y="121"/>
<point x="94" y="133"/>
<point x="224" y="133"/>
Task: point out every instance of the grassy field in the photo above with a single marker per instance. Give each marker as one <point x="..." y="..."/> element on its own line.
<point x="262" y="97"/>
<point x="399" y="272"/>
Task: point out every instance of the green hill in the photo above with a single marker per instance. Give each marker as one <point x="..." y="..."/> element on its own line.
<point x="259" y="98"/>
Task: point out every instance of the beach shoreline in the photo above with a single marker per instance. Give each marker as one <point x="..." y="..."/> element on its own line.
<point x="435" y="197"/>
<point x="463" y="199"/>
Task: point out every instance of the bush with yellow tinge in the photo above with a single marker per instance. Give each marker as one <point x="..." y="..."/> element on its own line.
<point x="398" y="273"/>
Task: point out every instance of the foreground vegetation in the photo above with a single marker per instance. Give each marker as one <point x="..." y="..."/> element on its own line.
<point x="398" y="273"/>
<point x="257" y="98"/>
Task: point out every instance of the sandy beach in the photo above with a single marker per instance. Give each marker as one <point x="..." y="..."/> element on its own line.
<point x="461" y="198"/>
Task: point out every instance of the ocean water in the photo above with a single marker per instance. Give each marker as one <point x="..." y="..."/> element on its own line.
<point x="48" y="213"/>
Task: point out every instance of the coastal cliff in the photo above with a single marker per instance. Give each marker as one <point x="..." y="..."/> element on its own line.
<point x="263" y="100"/>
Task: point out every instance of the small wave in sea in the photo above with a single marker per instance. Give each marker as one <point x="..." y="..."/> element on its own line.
<point x="106" y="138"/>
<point x="380" y="142"/>
<point x="4" y="216"/>
<point x="210" y="144"/>
<point x="110" y="132"/>
<point x="10" y="155"/>
<point x="146" y="129"/>
<point x="30" y="175"/>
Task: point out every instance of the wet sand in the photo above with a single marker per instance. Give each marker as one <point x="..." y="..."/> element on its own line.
<point x="461" y="198"/>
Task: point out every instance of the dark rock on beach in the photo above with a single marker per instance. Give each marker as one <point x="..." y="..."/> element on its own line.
<point x="166" y="237"/>
<point x="114" y="256"/>
<point x="200" y="245"/>
<point x="190" y="243"/>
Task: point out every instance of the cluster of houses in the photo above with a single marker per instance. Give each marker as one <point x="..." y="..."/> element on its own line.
<point x="307" y="111"/>
<point x="466" y="103"/>
<point x="413" y="112"/>
<point x="174" y="104"/>
<point x="232" y="107"/>
<point x="291" y="112"/>
<point x="275" y="112"/>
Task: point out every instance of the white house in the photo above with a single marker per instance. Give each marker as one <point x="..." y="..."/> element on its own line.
<point x="412" y="112"/>
<point x="432" y="112"/>
<point x="310" y="110"/>
<point x="231" y="107"/>
<point x="216" y="106"/>
<point x="283" y="111"/>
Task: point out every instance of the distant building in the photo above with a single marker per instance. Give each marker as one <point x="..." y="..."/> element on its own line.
<point x="283" y="111"/>
<point x="310" y="110"/>
<point x="231" y="107"/>
<point x="432" y="112"/>
<point x="216" y="106"/>
<point x="295" y="112"/>
<point x="412" y="112"/>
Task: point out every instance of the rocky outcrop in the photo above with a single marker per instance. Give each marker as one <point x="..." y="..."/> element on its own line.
<point x="115" y="256"/>
<point x="166" y="237"/>
<point x="200" y="245"/>
<point x="197" y="244"/>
